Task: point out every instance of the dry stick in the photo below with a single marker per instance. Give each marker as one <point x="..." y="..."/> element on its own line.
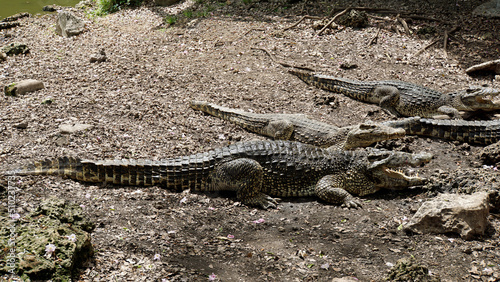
<point x="435" y="41"/>
<point x="445" y="43"/>
<point x="332" y="20"/>
<point x="426" y="47"/>
<point x="286" y="65"/>
<point x="375" y="37"/>
<point x="403" y="23"/>
<point x="301" y="19"/>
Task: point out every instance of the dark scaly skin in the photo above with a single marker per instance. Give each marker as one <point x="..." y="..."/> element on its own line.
<point x="484" y="132"/>
<point x="256" y="170"/>
<point x="406" y="99"/>
<point x="297" y="127"/>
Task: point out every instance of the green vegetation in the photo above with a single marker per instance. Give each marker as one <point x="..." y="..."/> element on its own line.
<point x="170" y="19"/>
<point x="104" y="7"/>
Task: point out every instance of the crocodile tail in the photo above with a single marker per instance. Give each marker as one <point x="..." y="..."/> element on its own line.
<point x="179" y="173"/>
<point x="406" y="123"/>
<point x="307" y="77"/>
<point x="63" y="166"/>
<point x="250" y="121"/>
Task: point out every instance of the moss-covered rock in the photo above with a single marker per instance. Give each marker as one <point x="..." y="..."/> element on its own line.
<point x="23" y="242"/>
<point x="408" y="269"/>
<point x="15" y="49"/>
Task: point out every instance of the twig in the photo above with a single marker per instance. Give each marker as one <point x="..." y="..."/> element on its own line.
<point x="403" y="23"/>
<point x="273" y="59"/>
<point x="426" y="47"/>
<point x="332" y="20"/>
<point x="301" y="19"/>
<point x="445" y="43"/>
<point x="372" y="41"/>
<point x="436" y="40"/>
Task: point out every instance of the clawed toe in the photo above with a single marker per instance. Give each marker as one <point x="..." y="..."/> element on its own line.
<point x="352" y="203"/>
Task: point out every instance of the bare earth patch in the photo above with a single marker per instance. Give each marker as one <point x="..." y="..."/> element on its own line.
<point x="137" y="104"/>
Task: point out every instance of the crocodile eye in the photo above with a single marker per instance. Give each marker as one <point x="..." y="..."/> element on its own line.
<point x="367" y="126"/>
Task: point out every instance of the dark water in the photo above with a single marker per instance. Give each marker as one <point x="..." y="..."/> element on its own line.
<point x="11" y="7"/>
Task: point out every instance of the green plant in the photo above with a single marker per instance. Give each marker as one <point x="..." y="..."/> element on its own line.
<point x="105" y="7"/>
<point x="188" y="13"/>
<point x="170" y="19"/>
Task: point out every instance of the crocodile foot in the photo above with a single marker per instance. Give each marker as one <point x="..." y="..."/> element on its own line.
<point x="261" y="200"/>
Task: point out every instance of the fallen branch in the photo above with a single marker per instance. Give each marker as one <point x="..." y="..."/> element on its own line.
<point x="403" y="23"/>
<point x="446" y="34"/>
<point x="332" y="20"/>
<point x="273" y="59"/>
<point x="491" y="66"/>
<point x="372" y="41"/>
<point x="302" y="19"/>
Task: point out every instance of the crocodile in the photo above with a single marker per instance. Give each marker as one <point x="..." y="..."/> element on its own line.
<point x="404" y="99"/>
<point x="484" y="132"/>
<point x="297" y="127"/>
<point x="255" y="170"/>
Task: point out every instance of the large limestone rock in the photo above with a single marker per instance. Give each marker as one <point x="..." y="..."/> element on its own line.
<point x="22" y="87"/>
<point x="55" y="222"/>
<point x="466" y="215"/>
<point x="68" y="24"/>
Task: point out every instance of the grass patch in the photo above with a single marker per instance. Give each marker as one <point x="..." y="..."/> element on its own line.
<point x="104" y="7"/>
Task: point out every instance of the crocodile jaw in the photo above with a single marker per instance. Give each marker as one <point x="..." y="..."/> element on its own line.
<point x="481" y="98"/>
<point x="387" y="178"/>
<point x="366" y="134"/>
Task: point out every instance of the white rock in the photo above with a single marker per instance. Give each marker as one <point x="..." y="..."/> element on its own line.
<point x="68" y="24"/>
<point x="69" y="128"/>
<point x="23" y="86"/>
<point x="466" y="215"/>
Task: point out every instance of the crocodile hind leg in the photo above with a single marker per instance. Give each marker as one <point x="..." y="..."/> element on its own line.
<point x="328" y="190"/>
<point x="245" y="176"/>
<point x="389" y="98"/>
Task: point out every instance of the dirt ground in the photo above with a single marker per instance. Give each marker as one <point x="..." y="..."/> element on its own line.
<point x="138" y="105"/>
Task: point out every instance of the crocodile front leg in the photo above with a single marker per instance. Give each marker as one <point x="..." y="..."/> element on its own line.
<point x="450" y="111"/>
<point x="389" y="98"/>
<point x="328" y="190"/>
<point x="279" y="129"/>
<point x="245" y="176"/>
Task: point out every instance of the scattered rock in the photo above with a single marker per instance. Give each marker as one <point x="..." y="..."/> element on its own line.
<point x="68" y="24"/>
<point x="84" y="4"/>
<point x="345" y="279"/>
<point x="68" y="128"/>
<point x="317" y="25"/>
<point x="15" y="49"/>
<point x="48" y="101"/>
<point x="488" y="9"/>
<point x="348" y="66"/>
<point x="8" y="25"/>
<point x="55" y="222"/>
<point x="50" y="8"/>
<point x="15" y="17"/>
<point x="3" y="56"/>
<point x="466" y="215"/>
<point x="354" y="19"/>
<point x="21" y="125"/>
<point x="408" y="269"/>
<point x="98" y="58"/>
<point x="22" y="87"/>
<point x="490" y="155"/>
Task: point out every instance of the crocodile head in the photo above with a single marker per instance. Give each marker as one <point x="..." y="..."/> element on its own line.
<point x="385" y="168"/>
<point x="478" y="98"/>
<point x="365" y="134"/>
